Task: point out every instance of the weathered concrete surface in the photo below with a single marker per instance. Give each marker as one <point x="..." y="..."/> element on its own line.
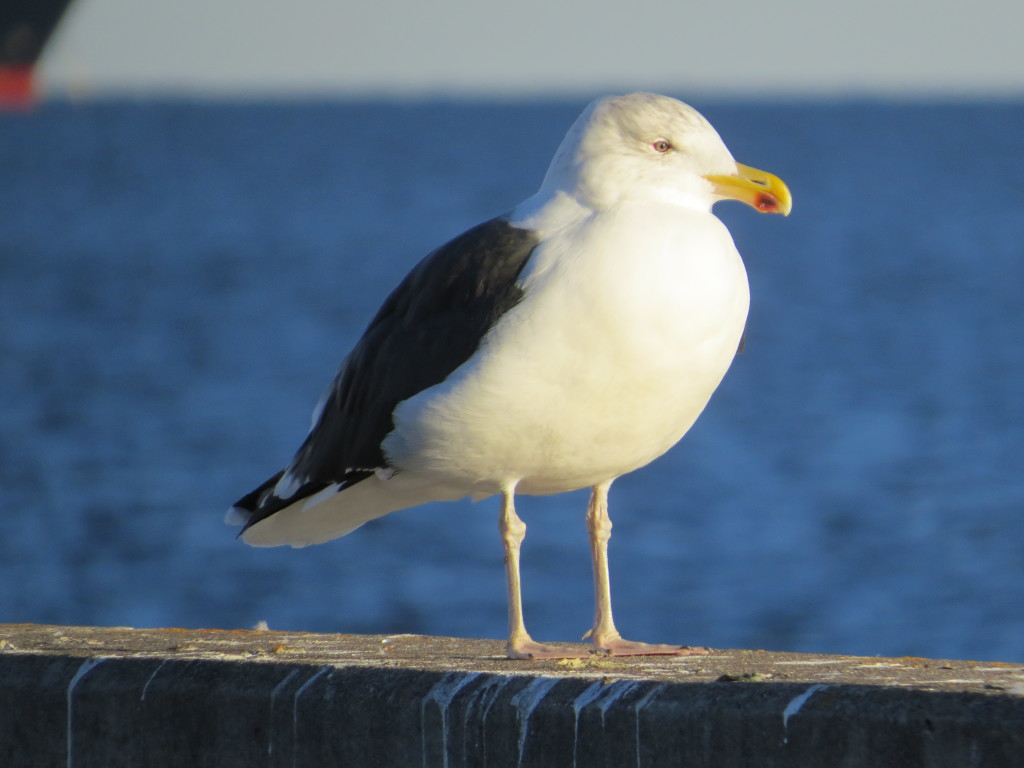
<point x="81" y="696"/>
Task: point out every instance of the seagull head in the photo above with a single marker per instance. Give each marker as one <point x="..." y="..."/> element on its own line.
<point x="644" y="147"/>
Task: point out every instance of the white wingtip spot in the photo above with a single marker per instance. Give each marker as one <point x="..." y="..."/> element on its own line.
<point x="236" y="516"/>
<point x="288" y="485"/>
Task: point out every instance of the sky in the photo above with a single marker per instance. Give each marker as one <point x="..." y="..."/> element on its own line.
<point x="537" y="47"/>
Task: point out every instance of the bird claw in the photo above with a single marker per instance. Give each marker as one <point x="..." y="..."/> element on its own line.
<point x="530" y="649"/>
<point x="621" y="647"/>
<point x="614" y="647"/>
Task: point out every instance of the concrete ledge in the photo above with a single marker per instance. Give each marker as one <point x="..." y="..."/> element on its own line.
<point x="81" y="696"/>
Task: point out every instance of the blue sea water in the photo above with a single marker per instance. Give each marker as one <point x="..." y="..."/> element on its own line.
<point x="178" y="282"/>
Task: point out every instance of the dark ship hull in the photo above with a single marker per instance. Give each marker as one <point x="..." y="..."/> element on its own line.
<point x="25" y="26"/>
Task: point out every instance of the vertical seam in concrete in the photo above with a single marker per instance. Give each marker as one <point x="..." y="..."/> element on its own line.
<point x="295" y="709"/>
<point x="604" y="695"/>
<point x="638" y="707"/>
<point x="613" y="692"/>
<point x="591" y="693"/>
<point x="273" y="695"/>
<point x="83" y="670"/>
<point x="795" y="706"/>
<point x="149" y="680"/>
<point x="486" y="695"/>
<point x="442" y="693"/>
<point x="525" y="702"/>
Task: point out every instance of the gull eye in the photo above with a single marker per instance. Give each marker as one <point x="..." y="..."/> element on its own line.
<point x="661" y="145"/>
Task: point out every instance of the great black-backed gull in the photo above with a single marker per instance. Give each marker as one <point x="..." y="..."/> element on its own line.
<point x="557" y="347"/>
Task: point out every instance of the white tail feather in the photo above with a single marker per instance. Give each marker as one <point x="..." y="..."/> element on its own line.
<point x="331" y="514"/>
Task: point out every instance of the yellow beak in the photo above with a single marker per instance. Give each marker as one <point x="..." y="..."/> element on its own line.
<point x="758" y="189"/>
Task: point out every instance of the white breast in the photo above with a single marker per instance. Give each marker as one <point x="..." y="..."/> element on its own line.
<point x="629" y="322"/>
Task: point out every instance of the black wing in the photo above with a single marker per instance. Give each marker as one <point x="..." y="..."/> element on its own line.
<point x="430" y="325"/>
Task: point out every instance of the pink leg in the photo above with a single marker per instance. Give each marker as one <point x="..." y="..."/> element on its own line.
<point x="603" y="634"/>
<point x="520" y="644"/>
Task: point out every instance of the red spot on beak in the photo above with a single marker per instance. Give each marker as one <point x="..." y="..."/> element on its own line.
<point x="767" y="203"/>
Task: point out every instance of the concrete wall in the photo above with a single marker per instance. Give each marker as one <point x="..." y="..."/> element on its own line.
<point x="116" y="697"/>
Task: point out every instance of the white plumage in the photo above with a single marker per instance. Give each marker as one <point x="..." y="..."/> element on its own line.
<point x="597" y="371"/>
<point x="627" y="308"/>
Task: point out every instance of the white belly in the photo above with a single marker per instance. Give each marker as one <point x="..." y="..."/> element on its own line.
<point x="608" y="360"/>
